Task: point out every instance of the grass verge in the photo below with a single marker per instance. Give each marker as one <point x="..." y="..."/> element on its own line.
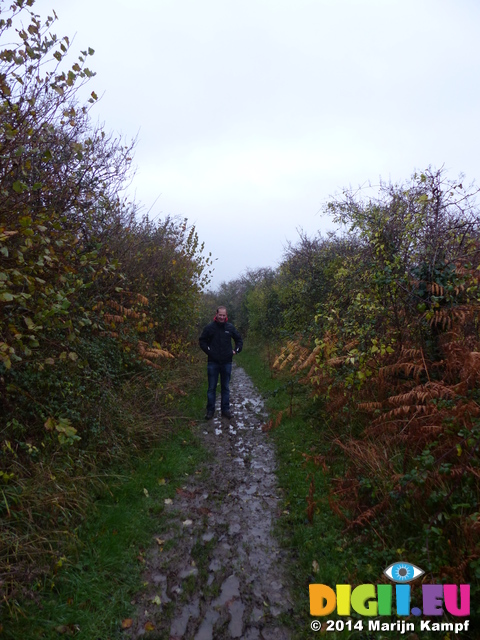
<point x="91" y="589"/>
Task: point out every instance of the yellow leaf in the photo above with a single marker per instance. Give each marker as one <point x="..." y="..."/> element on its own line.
<point x="149" y="626"/>
<point x="49" y="424"/>
<point x="127" y="623"/>
<point x="156" y="600"/>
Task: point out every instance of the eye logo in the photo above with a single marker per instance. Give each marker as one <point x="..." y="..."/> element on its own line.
<point x="403" y="572"/>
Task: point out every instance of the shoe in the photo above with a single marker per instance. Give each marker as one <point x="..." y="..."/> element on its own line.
<point x="226" y="414"/>
<point x="208" y="415"/>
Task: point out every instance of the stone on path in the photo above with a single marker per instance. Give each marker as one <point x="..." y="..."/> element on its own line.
<point x="239" y="588"/>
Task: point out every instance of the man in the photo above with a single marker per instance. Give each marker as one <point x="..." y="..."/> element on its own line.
<point x="216" y="342"/>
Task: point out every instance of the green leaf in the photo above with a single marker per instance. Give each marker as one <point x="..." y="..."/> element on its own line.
<point x="19" y="187"/>
<point x="29" y="322"/>
<point x="66" y="433"/>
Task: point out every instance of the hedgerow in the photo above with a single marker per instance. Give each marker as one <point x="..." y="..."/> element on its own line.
<point x="380" y="321"/>
<point x="96" y="300"/>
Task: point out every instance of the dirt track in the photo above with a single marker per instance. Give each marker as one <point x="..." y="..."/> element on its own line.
<point x="218" y="569"/>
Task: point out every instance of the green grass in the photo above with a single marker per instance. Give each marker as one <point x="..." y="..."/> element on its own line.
<point x="92" y="590"/>
<point x="321" y="541"/>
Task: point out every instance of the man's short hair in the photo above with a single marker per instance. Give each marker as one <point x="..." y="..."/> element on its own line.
<point x="221" y="307"/>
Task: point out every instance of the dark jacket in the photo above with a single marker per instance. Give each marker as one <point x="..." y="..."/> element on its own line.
<point x="216" y="341"/>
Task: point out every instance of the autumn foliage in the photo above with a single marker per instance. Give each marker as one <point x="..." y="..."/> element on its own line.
<point x="391" y="355"/>
<point x="96" y="300"/>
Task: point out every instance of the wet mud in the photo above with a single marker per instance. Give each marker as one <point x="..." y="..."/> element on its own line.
<point x="217" y="571"/>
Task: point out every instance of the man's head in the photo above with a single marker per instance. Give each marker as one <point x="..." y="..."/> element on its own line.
<point x="221" y="314"/>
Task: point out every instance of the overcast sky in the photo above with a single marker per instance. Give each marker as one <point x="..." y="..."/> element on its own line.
<point x="251" y="114"/>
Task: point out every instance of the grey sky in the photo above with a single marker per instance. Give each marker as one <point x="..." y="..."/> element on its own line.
<point x="250" y="114"/>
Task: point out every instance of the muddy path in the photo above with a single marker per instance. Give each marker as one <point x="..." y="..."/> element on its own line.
<point x="217" y="570"/>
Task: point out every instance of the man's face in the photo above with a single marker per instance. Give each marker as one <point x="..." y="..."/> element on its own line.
<point x="221" y="315"/>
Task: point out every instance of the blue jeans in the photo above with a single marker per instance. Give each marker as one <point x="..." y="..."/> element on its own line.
<point x="224" y="371"/>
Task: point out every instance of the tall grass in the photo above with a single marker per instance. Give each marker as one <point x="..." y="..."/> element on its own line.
<point x="74" y="525"/>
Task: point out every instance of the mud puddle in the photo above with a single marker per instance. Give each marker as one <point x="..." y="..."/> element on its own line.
<point x="217" y="571"/>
